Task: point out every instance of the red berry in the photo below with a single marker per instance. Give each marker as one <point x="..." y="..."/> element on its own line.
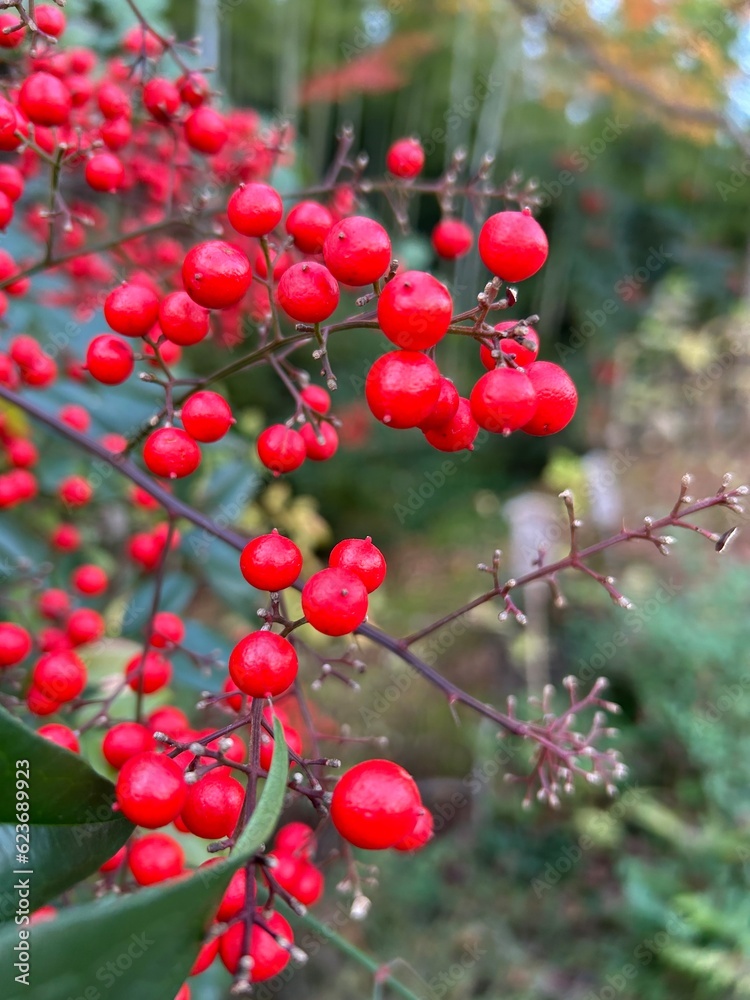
<point x="104" y="172"/>
<point x="149" y="673"/>
<point x="168" y="630"/>
<point x="308" y="223"/>
<point x="458" y="433"/>
<point x="308" y="292"/>
<point x="206" y="416"/>
<point x="503" y="400"/>
<point x="414" y="310"/>
<point x="113" y="101"/>
<point x="44" y="99"/>
<point x="84" y="625"/>
<point x="59" y="676"/>
<point x="234" y="898"/>
<point x="206" y="130"/>
<point x="53" y="604"/>
<point x="113" y="863"/>
<point x="89" y="579"/>
<point x="271" y="562"/>
<point x="513" y="245"/>
<point x="402" y="387"/>
<point x="557" y="399"/>
<point x="142" y="42"/>
<point x="357" y="251"/>
<point x="66" y="537"/>
<point x="216" y="274"/>
<point x="281" y="448"/>
<point x="444" y="409"/>
<point x="116" y="133"/>
<point x="11" y="181"/>
<point x="61" y="735"/>
<point x="161" y="99"/>
<point x="171" y="453"/>
<point x="293" y="742"/>
<point x="49" y="19"/>
<point x="125" y="740"/>
<point x="205" y="957"/>
<point x="295" y="838"/>
<point x="452" y="238"/>
<point x="6" y="211"/>
<point x="420" y="835"/>
<point x="75" y="491"/>
<point x="151" y="789"/>
<point x="75" y="416"/>
<point x="15" y="644"/>
<point x="320" y="444"/>
<point x="213" y="805"/>
<point x="39" y="704"/>
<point x="131" y="309"/>
<point x="109" y="359"/>
<point x="155" y="858"/>
<point x="360" y="557"/>
<point x="521" y="354"/>
<point x="334" y="601"/>
<point x="194" y="89"/>
<point x="316" y="398"/>
<point x="375" y="804"/>
<point x="169" y="720"/>
<point x="268" y="957"/>
<point x="14" y="38"/>
<point x="405" y="158"/>
<point x="263" y="664"/>
<point x="181" y="320"/>
<point x="255" y="209"/>
<point x="298" y="877"/>
<point x="23" y="453"/>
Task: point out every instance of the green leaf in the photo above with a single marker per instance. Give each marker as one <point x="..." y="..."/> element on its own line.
<point x="142" y="945"/>
<point x="71" y="828"/>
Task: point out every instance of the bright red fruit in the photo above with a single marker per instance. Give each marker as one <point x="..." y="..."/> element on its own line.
<point x="521" y="354"/>
<point x="357" y="250"/>
<point x="269" y="958"/>
<point x="66" y="538"/>
<point x="213" y="806"/>
<point x="255" y="209"/>
<point x="308" y="223"/>
<point x="216" y="274"/>
<point x="281" y="448"/>
<point x="171" y="453"/>
<point x="503" y="400"/>
<point x="375" y="804"/>
<point x="308" y="292"/>
<point x="452" y="238"/>
<point x="75" y="416"/>
<point x="405" y="158"/>
<point x="59" y="676"/>
<point x="320" y="444"/>
<point x="169" y="720"/>
<point x="124" y="740"/>
<point x="11" y="181"/>
<point x="155" y="673"/>
<point x="421" y="834"/>
<point x="55" y="732"/>
<point x="49" y="19"/>
<point x="263" y="664"/>
<point x="296" y="839"/>
<point x="316" y="397"/>
<point x="104" y="172"/>
<point x="402" y="387"/>
<point x="360" y="557"/>
<point x="181" y="320"/>
<point x="84" y="625"/>
<point x="557" y="399"/>
<point x="151" y="789"/>
<point x="155" y="858"/>
<point x="194" y="89"/>
<point x="131" y="309"/>
<point x="444" y="409"/>
<point x="459" y="433"/>
<point x="168" y="629"/>
<point x="206" y="416"/>
<point x="206" y="130"/>
<point x="75" y="491"/>
<point x="161" y="99"/>
<point x="109" y="359"/>
<point x="301" y="879"/>
<point x="44" y="99"/>
<point x="334" y="601"/>
<point x="293" y="742"/>
<point x="513" y="245"/>
<point x="271" y="562"/>
<point x="89" y="579"/>
<point x="15" y="644"/>
<point x="113" y="102"/>
<point x="414" y="310"/>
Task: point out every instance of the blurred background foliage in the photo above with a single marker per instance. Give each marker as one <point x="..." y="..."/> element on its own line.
<point x="632" y="115"/>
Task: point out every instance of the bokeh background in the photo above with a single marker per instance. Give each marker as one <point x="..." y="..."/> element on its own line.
<point x="632" y="115"/>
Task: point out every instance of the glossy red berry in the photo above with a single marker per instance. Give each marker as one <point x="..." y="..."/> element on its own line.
<point x="131" y="309"/>
<point x="109" y="359"/>
<point x="171" y="453"/>
<point x="113" y="863"/>
<point x="75" y="491"/>
<point x="268" y="957"/>
<point x="321" y="443"/>
<point x="39" y="704"/>
<point x="167" y="719"/>
<point x="22" y="454"/>
<point x="151" y="789"/>
<point x="11" y="181"/>
<point x="263" y="664"/>
<point x="271" y="562"/>
<point x="125" y="740"/>
<point x="149" y="673"/>
<point x="503" y="400"/>
<point x="213" y="805"/>
<point x="360" y="557"/>
<point x="444" y="409"/>
<point x="255" y="209"/>
<point x="513" y="245"/>
<point x="234" y="898"/>
<point x="402" y="387"/>
<point x="206" y="131"/>
<point x="421" y="834"/>
<point x="194" y="89"/>
<point x="84" y="625"/>
<point x="557" y="399"/>
<point x="15" y="644"/>
<point x="89" y="579"/>
<point x="53" y="604"/>
<point x="375" y="804"/>
<point x="44" y="99"/>
<point x="297" y="839"/>
<point x="113" y="101"/>
<point x="181" y="320"/>
<point x="308" y="223"/>
<point x="414" y="310"/>
<point x="308" y="292"/>
<point x="104" y="172"/>
<point x="216" y="274"/>
<point x="405" y="158"/>
<point x="168" y="630"/>
<point x="59" y="676"/>
<point x="49" y="19"/>
<point x="281" y="448"/>
<point x="452" y="238"/>
<point x="161" y="99"/>
<point x="298" y="877"/>
<point x="75" y="416"/>
<point x="316" y="397"/>
<point x="154" y="858"/>
<point x="63" y="736"/>
<point x="357" y="251"/>
<point x="521" y="354"/>
<point x="458" y="434"/>
<point x="206" y="416"/>
<point x="66" y="538"/>
<point x="334" y="601"/>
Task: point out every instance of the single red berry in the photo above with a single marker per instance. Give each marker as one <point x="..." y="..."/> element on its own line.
<point x="75" y="416"/>
<point x="295" y="838"/>
<point x="216" y="274"/>
<point x="459" y="433"/>
<point x="360" y="557"/>
<point x="375" y="804"/>
<point x="206" y="416"/>
<point x="59" y="676"/>
<point x="140" y="41"/>
<point x="213" y="805"/>
<point x="54" y="604"/>
<point x="104" y="172"/>
<point x="402" y="387"/>
<point x="168" y="630"/>
<point x="357" y="251"/>
<point x="421" y="834"/>
<point x="131" y="309"/>
<point x="503" y="400"/>
<point x="334" y="601"/>
<point x="52" y="640"/>
<point x="113" y="101"/>
<point x="161" y="99"/>
<point x="557" y="399"/>
<point x="44" y="99"/>
<point x="320" y="444"/>
<point x="293" y="742"/>
<point x="452" y="238"/>
<point x="263" y="664"/>
<point x="308" y="292"/>
<point x="15" y="37"/>
<point x="414" y="310"/>
<point x="169" y="720"/>
<point x="75" y="491"/>
<point x="298" y="877"/>
<point x="205" y="957"/>
<point x="521" y="354"/>
<point x="49" y="19"/>
<point x="308" y="223"/>
<point x="281" y="448"/>
<point x="89" y="579"/>
<point x="125" y="740"/>
<point x="234" y="897"/>
<point x="513" y="245"/>
<point x="84" y="625"/>
<point x="171" y="453"/>
<point x="151" y="789"/>
<point x="206" y="131"/>
<point x="194" y="89"/>
<point x="113" y="863"/>
<point x="22" y="454"/>
<point x="6" y="211"/>
<point x="155" y="858"/>
<point x="271" y="562"/>
<point x="255" y="209"/>
<point x="114" y="443"/>
<point x="116" y="133"/>
<point x="444" y="409"/>
<point x="15" y="644"/>
<point x="55" y="732"/>
<point x="109" y="359"/>
<point x="39" y="704"/>
<point x="405" y="158"/>
<point x="11" y="181"/>
<point x="268" y="957"/>
<point x="316" y="397"/>
<point x="181" y="320"/>
<point x="150" y="673"/>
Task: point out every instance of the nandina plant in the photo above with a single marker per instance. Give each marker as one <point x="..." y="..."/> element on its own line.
<point x="153" y="208"/>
